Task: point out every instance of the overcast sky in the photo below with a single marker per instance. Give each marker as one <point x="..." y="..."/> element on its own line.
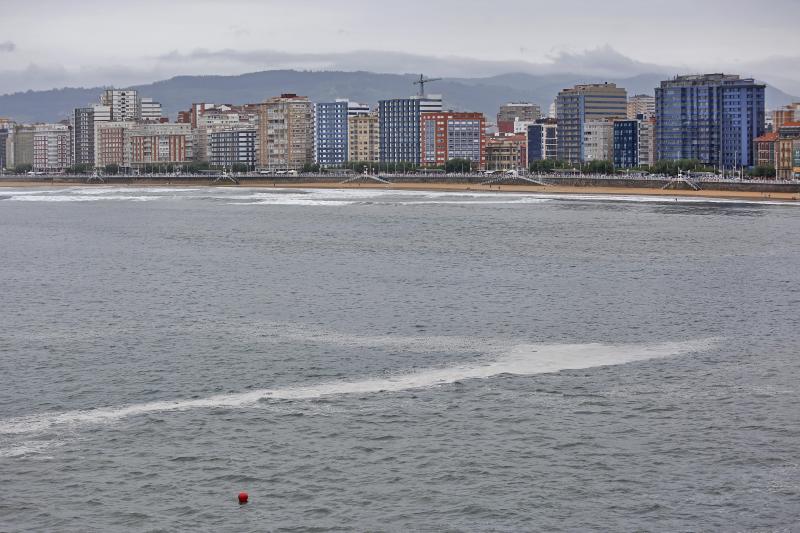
<point x="55" y="43"/>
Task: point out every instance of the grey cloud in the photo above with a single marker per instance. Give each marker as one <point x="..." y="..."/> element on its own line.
<point x="603" y="61"/>
<point x="7" y="46"/>
<point x="591" y="65"/>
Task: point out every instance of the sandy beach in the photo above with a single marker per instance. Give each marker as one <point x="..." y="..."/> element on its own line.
<point x="420" y="186"/>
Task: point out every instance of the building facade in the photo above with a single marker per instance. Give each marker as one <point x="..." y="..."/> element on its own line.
<point x="400" y="128"/>
<point x="453" y="135"/>
<point x="641" y="105"/>
<point x="506" y="152"/>
<point x="220" y="119"/>
<point x="83" y="136"/>
<point x="787" y="151"/>
<point x="159" y="144"/>
<point x="150" y="111"/>
<point x="788" y="113"/>
<point x="124" y="104"/>
<point x="111" y="144"/>
<point x="543" y="140"/>
<point x="626" y="143"/>
<point x="712" y="118"/>
<point x="598" y="140"/>
<point x="764" y="148"/>
<point x="52" y="147"/>
<point x="286" y="133"/>
<point x="233" y="145"/>
<point x="364" y="138"/>
<point x="331" y="123"/>
<point x="6" y="142"/>
<point x="647" y="141"/>
<point x="516" y="112"/>
<point x="21" y="150"/>
<point x="581" y="104"/>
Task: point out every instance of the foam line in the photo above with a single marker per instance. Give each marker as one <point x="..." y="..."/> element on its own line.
<point x="523" y="359"/>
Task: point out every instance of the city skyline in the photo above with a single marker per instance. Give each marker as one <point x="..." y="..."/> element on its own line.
<point x="208" y="37"/>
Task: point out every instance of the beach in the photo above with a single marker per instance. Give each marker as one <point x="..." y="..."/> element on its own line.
<point x="426" y="186"/>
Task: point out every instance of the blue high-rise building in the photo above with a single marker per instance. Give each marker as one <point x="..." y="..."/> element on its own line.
<point x="330" y="130"/>
<point x="400" y="129"/>
<point x="712" y="118"/>
<point x="626" y="143"/>
<point x="543" y="140"/>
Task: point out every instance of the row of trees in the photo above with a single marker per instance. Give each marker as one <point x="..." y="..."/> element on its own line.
<point x="668" y="168"/>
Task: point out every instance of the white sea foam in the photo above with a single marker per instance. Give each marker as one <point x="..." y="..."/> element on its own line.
<point x="522" y="359"/>
<point x="81" y="198"/>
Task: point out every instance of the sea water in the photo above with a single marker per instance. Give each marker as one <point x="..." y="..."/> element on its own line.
<point x="378" y="360"/>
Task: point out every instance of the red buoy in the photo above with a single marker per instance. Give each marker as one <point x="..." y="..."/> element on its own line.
<point x="243" y="498"/>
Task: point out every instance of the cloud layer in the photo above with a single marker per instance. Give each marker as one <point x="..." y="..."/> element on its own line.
<point x="600" y="62"/>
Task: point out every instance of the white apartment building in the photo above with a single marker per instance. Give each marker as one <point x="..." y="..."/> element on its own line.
<point x="598" y="140"/>
<point x="124" y="104"/>
<point x="52" y="147"/>
<point x="150" y="110"/>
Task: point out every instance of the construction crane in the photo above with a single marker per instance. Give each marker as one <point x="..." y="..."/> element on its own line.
<point x="422" y="81"/>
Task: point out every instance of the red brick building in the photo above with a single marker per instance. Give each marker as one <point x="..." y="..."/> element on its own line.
<point x="447" y="135"/>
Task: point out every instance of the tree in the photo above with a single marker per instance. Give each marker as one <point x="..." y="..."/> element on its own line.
<point x="83" y="168"/>
<point x="24" y="168"/>
<point x="310" y="168"/>
<point x="599" y="167"/>
<point x="111" y="169"/>
<point x="547" y="165"/>
<point x="197" y="167"/>
<point x="762" y="171"/>
<point x="458" y="165"/>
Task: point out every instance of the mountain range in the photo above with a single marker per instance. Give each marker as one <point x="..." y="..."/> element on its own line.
<point x="484" y="94"/>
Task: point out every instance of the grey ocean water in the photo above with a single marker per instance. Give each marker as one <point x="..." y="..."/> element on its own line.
<point x="368" y="360"/>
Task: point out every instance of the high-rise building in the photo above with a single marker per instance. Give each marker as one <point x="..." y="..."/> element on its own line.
<point x="6" y="142"/>
<point x="634" y="142"/>
<point x="453" y="135"/>
<point x="150" y="111"/>
<point x="598" y="140"/>
<point x="52" y="147"/>
<point x="222" y="118"/>
<point x="330" y="130"/>
<point x="400" y="133"/>
<point x="647" y="141"/>
<point x="112" y="146"/>
<point x="153" y="143"/>
<point x="286" y="133"/>
<point x="626" y="143"/>
<point x="22" y="149"/>
<point x="233" y="145"/>
<point x="125" y="104"/>
<point x="514" y="112"/>
<point x="581" y="104"/>
<point x="641" y="105"/>
<point x="364" y="139"/>
<point x="712" y="118"/>
<point x="83" y="136"/>
<point x="543" y="140"/>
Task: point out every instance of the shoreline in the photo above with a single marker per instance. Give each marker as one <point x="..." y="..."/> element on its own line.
<point x="423" y="186"/>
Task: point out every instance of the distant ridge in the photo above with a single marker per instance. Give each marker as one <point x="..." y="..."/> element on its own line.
<point x="473" y="94"/>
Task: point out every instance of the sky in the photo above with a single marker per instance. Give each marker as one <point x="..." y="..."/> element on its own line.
<point x="56" y="43"/>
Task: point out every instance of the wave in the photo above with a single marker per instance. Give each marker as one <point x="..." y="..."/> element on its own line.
<point x="349" y="196"/>
<point x="520" y="360"/>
